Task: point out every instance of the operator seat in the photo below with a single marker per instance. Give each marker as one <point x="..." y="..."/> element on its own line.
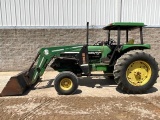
<point x="131" y="41"/>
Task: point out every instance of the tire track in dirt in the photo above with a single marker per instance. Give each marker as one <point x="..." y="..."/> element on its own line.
<point x="31" y="113"/>
<point x="153" y="105"/>
<point x="4" y="111"/>
<point x="1" y="104"/>
<point x="74" y="107"/>
<point x="142" y="107"/>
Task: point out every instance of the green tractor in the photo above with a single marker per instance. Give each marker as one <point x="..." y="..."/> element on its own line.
<point x="134" y="70"/>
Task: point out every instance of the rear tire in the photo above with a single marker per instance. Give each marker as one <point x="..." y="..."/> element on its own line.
<point x="135" y="72"/>
<point x="66" y="83"/>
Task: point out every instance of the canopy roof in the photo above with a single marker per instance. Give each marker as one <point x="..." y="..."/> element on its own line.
<point x="123" y="25"/>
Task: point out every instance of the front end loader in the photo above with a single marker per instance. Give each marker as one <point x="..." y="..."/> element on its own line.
<point x="18" y="84"/>
<point x="134" y="70"/>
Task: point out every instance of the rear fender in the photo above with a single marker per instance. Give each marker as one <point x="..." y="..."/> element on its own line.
<point x="127" y="47"/>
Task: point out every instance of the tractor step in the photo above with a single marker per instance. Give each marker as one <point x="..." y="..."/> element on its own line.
<point x="106" y="62"/>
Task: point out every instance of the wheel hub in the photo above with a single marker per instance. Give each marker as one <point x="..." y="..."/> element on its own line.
<point x="138" y="73"/>
<point x="66" y="84"/>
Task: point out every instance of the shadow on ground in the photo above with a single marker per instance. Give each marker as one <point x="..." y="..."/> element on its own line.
<point x="151" y="90"/>
<point x="97" y="82"/>
<point x="89" y="82"/>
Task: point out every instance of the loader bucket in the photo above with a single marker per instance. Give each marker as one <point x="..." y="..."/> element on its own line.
<point x="18" y="84"/>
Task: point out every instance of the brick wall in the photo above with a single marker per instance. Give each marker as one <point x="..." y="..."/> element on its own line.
<point x="18" y="47"/>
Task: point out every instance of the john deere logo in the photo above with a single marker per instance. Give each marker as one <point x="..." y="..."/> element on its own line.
<point x="46" y="51"/>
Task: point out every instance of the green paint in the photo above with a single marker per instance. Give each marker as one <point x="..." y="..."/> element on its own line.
<point x="103" y="49"/>
<point x="99" y="67"/>
<point x="138" y="24"/>
<point x="144" y="46"/>
<point x="123" y="25"/>
<point x="46" y="55"/>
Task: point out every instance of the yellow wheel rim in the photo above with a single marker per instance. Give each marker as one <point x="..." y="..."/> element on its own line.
<point x="138" y="73"/>
<point x="66" y="84"/>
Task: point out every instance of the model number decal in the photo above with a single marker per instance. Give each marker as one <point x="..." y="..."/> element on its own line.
<point x="94" y="53"/>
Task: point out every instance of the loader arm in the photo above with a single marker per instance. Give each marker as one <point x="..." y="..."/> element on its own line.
<point x="45" y="55"/>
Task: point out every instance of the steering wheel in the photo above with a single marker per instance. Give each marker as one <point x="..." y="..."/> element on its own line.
<point x="98" y="43"/>
<point x="111" y="41"/>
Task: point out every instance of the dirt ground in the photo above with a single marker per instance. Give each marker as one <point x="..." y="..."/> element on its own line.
<point x="96" y="99"/>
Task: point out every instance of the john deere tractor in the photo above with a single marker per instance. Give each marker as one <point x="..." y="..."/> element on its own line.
<point x="133" y="69"/>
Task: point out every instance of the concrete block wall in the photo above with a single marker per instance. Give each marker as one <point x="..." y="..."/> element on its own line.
<point x="18" y="47"/>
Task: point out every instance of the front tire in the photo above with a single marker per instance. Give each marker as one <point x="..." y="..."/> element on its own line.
<point x="135" y="72"/>
<point x="66" y="83"/>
